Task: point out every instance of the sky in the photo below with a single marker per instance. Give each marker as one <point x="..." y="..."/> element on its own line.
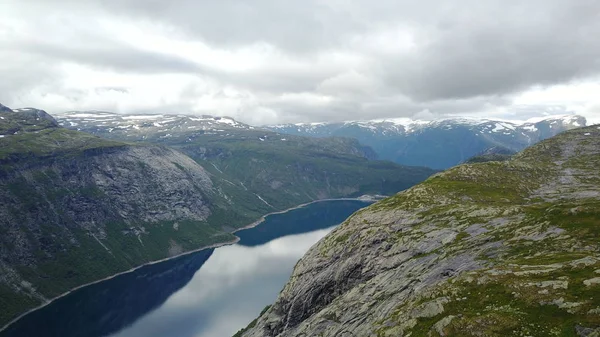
<point x="278" y="61"/>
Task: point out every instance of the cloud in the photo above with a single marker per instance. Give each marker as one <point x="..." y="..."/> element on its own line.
<point x="271" y="61"/>
<point x="492" y="53"/>
<point x="216" y="302"/>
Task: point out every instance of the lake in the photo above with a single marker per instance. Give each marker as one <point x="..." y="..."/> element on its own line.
<point x="210" y="293"/>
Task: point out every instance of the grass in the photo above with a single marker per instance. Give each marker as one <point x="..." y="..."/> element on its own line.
<point x="51" y="143"/>
<point x="535" y="244"/>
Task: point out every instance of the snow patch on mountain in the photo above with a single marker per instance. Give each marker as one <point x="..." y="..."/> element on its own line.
<point x="148" y="123"/>
<point x="407" y="125"/>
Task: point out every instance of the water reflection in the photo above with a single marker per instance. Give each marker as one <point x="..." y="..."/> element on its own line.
<point x="208" y="293"/>
<point x="301" y="220"/>
<point x="224" y="294"/>
<point x="106" y="307"/>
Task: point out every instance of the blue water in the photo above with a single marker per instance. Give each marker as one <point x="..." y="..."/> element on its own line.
<point x="211" y="293"/>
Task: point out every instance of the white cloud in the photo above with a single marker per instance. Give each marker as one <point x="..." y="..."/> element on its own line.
<point x="273" y="62"/>
<point x="218" y="295"/>
<point x="348" y="83"/>
<point x="581" y="97"/>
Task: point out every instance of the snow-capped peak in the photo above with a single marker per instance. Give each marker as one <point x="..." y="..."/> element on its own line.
<point x="148" y="123"/>
<point x="391" y="126"/>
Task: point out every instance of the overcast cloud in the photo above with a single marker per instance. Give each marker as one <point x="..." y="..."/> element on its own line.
<point x="274" y="61"/>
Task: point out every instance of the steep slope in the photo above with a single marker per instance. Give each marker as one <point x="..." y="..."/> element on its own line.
<point x="75" y="208"/>
<point x="493" y="249"/>
<point x="251" y="165"/>
<point x="437" y="144"/>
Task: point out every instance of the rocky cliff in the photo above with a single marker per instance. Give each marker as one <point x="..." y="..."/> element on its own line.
<point x="491" y="249"/>
<point x="75" y="208"/>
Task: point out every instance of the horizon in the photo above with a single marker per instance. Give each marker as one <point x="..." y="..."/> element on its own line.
<point x="394" y="120"/>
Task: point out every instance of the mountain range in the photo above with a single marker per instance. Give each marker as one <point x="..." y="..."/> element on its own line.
<point x="437" y="144"/>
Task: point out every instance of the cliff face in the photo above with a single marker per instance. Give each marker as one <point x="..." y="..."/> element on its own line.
<point x="75" y="208"/>
<point x="493" y="249"/>
<point x="131" y="185"/>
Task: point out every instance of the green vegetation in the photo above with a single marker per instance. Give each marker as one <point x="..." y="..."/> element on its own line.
<point x="34" y="134"/>
<point x="537" y="281"/>
<point x="519" y="305"/>
<point x="51" y="142"/>
<point x="488" y="157"/>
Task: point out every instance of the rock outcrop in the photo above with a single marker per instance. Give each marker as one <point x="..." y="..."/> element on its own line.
<point x="492" y="249"/>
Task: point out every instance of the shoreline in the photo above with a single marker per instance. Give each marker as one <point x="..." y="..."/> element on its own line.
<point x="263" y="218"/>
<point x="214" y="245"/>
<point x="211" y="246"/>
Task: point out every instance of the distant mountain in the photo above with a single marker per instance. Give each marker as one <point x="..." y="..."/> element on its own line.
<point x="490" y="249"/>
<point x="437" y="144"/>
<point x="188" y="129"/>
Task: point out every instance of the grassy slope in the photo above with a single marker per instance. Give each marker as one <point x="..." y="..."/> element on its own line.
<point x="301" y="173"/>
<point x="509" y="296"/>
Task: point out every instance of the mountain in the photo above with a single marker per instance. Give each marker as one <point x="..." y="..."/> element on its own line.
<point x="76" y="208"/>
<point x="437" y="144"/>
<point x="180" y="130"/>
<point x="490" y="249"/>
<point x="280" y="170"/>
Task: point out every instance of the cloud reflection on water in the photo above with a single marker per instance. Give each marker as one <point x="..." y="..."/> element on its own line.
<point x="228" y="291"/>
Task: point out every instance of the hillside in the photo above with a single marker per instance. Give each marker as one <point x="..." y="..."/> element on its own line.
<point x="76" y="208"/>
<point x="437" y="144"/>
<point x="491" y="249"/>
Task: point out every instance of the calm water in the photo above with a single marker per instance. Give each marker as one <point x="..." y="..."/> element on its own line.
<point x="211" y="293"/>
